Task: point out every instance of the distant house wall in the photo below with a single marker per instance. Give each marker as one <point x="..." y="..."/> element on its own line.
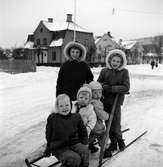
<point x="43" y="35"/>
<point x="55" y="55"/>
<point x="103" y="46"/>
<point x="17" y="66"/>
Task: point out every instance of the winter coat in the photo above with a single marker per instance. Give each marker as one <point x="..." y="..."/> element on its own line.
<point x="114" y="80"/>
<point x="88" y="115"/>
<point x="64" y="131"/>
<point x="101" y="117"/>
<point x="72" y="75"/>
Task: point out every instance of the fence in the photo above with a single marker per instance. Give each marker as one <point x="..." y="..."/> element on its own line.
<point x="17" y="66"/>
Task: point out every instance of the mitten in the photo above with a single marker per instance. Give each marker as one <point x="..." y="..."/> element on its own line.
<point x="107" y="89"/>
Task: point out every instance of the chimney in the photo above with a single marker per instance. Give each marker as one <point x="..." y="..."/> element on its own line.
<point x="69" y="18"/>
<point x="109" y="34"/>
<point x="50" y="20"/>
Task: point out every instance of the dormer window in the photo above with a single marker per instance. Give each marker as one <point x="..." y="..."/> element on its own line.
<point x="38" y="41"/>
<point x="41" y="29"/>
<point x="44" y="41"/>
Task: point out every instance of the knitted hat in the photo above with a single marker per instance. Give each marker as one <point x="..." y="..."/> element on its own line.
<point x="116" y="52"/>
<point x="61" y="97"/>
<point x="75" y="45"/>
<point x="94" y="85"/>
<point x="85" y="89"/>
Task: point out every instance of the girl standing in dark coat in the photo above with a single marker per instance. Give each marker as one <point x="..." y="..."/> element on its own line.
<point x="115" y="80"/>
<point x="74" y="72"/>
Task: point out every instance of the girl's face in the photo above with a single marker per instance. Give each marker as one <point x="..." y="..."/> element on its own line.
<point x="75" y="53"/>
<point x="97" y="94"/>
<point x="64" y="106"/>
<point x="115" y="62"/>
<point x="83" y="98"/>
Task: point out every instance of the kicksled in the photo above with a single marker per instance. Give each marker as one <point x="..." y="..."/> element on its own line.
<point x="96" y="159"/>
<point x="42" y="161"/>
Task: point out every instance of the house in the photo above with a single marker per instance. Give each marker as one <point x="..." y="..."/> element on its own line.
<point x="47" y="42"/>
<point x="133" y="50"/>
<point x="152" y="47"/>
<point x="104" y="44"/>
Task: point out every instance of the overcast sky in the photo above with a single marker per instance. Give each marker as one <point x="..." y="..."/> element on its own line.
<point x="131" y="19"/>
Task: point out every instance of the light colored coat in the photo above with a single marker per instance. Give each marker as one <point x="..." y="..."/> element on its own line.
<point x="101" y="116"/>
<point x="88" y="116"/>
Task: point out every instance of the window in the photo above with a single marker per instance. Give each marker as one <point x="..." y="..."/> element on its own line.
<point x="86" y="42"/>
<point x="44" y="41"/>
<point x="41" y="29"/>
<point x="38" y="41"/>
<point x="54" y="56"/>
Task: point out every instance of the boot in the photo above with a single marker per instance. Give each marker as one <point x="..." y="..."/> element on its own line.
<point x="107" y="153"/>
<point x="121" y="144"/>
<point x="113" y="146"/>
<point x="92" y="148"/>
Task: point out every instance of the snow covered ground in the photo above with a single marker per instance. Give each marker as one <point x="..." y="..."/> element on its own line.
<point x="27" y="99"/>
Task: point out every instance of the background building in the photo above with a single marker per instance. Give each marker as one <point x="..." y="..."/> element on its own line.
<point x="47" y="42"/>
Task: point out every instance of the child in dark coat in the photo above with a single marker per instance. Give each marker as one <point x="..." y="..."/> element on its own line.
<point x="115" y="80"/>
<point x="74" y="72"/>
<point x="66" y="135"/>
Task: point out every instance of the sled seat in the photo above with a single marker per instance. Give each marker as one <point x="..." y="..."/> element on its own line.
<point x="43" y="161"/>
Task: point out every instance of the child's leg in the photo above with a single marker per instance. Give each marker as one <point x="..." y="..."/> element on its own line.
<point x="69" y="158"/>
<point x="115" y="131"/>
<point x="83" y="151"/>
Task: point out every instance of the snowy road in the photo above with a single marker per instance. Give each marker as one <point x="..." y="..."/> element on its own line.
<point x="26" y="105"/>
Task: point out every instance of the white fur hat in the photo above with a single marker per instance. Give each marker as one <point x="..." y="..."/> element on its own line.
<point x="94" y="85"/>
<point x="77" y="45"/>
<point x="85" y="89"/>
<point x="114" y="52"/>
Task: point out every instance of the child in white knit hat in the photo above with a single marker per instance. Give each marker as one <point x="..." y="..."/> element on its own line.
<point x="85" y="109"/>
<point x="102" y="116"/>
<point x="66" y="135"/>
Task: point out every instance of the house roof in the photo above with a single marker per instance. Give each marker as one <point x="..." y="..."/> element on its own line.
<point x="151" y="54"/>
<point x="55" y="26"/>
<point x="105" y="39"/>
<point x="97" y="39"/>
<point x="29" y="45"/>
<point x="55" y="43"/>
<point x="128" y="44"/>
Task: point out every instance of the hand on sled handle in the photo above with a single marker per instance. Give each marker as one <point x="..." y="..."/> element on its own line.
<point x="107" y="88"/>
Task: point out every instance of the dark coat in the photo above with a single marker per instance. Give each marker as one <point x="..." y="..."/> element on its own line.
<point x="64" y="131"/>
<point x="113" y="82"/>
<point x="72" y="75"/>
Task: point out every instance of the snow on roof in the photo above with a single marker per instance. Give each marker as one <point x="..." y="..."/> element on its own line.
<point x="128" y="44"/>
<point x="97" y="39"/>
<point x="55" y="26"/>
<point x="152" y="54"/>
<point x="29" y="45"/>
<point x="55" y="43"/>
